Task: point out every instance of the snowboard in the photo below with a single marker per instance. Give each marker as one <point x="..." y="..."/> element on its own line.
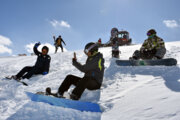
<point x="66" y="103"/>
<point x="11" y="78"/>
<point x="164" y="62"/>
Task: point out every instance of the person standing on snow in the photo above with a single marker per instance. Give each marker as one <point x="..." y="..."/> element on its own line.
<point x="92" y="80"/>
<point x="115" y="48"/>
<point x="114" y="43"/>
<point x="152" y="48"/>
<point x="58" y="43"/>
<point x="41" y="66"/>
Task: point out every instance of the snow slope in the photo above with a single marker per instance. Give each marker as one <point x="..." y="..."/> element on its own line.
<point x="127" y="93"/>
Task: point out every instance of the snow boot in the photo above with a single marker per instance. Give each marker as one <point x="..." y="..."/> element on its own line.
<point x="16" y="78"/>
<point x="48" y="92"/>
<point x="74" y="97"/>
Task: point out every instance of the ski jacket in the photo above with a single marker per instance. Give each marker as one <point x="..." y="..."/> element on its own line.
<point x="153" y="43"/>
<point x="42" y="62"/>
<point x="94" y="67"/>
<point x="59" y="41"/>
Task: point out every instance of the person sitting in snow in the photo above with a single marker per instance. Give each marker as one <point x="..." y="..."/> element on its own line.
<point x="58" y="43"/>
<point x="41" y="66"/>
<point x="152" y="48"/>
<point x="92" y="80"/>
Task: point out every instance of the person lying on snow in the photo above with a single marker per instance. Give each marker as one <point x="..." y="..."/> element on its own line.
<point x="152" y="48"/>
<point x="92" y="80"/>
<point x="41" y="66"/>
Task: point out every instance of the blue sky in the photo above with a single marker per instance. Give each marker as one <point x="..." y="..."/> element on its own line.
<point x="23" y="22"/>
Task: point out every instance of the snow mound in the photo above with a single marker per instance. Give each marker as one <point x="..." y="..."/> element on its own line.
<point x="143" y="93"/>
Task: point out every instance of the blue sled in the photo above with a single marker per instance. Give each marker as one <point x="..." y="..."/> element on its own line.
<point x="78" y="105"/>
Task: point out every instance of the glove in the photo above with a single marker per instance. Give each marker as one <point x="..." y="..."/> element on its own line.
<point x="37" y="44"/>
<point x="44" y="73"/>
<point x="154" y="58"/>
<point x="143" y="50"/>
<point x="74" y="60"/>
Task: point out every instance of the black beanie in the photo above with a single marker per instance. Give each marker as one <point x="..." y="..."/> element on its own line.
<point x="152" y="31"/>
<point x="45" y="47"/>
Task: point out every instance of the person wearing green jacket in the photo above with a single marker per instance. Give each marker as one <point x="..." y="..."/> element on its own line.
<point x="93" y="71"/>
<point x="152" y="48"/>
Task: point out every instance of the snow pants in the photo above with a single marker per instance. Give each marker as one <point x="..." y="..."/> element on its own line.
<point x="149" y="54"/>
<point x="28" y="71"/>
<point x="56" y="47"/>
<point x="115" y="53"/>
<point x="80" y="83"/>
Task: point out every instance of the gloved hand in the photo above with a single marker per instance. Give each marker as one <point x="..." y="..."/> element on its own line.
<point x="37" y="44"/>
<point x="45" y="73"/>
<point x="54" y="37"/>
<point x="154" y="58"/>
<point x="143" y="50"/>
<point x="74" y="58"/>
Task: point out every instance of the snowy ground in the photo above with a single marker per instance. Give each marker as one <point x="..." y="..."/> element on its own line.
<point x="127" y="93"/>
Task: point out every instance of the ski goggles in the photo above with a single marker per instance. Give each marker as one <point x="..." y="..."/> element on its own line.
<point x="88" y="49"/>
<point x="148" y="34"/>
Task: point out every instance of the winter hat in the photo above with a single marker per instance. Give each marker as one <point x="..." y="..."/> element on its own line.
<point x="91" y="47"/>
<point x="45" y="47"/>
<point x="114" y="32"/>
<point x="151" y="32"/>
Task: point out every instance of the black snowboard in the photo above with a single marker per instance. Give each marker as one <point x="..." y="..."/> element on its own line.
<point x="11" y="78"/>
<point x="164" y="62"/>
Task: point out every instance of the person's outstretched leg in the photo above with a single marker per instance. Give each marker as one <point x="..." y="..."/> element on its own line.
<point x="61" y="48"/>
<point x="29" y="73"/>
<point x="68" y="81"/>
<point x="86" y="82"/>
<point x="23" y="71"/>
<point x="136" y="55"/>
<point x="160" y="53"/>
<point x="56" y="49"/>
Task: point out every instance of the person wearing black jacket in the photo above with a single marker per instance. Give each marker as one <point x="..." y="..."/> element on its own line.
<point x="93" y="77"/>
<point x="41" y="66"/>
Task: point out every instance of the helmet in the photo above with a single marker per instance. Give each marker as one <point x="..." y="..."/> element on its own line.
<point x="91" y="47"/>
<point x="45" y="47"/>
<point x="114" y="32"/>
<point x="151" y="32"/>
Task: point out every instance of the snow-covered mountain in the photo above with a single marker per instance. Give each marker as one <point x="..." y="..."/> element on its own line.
<point x="127" y="93"/>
